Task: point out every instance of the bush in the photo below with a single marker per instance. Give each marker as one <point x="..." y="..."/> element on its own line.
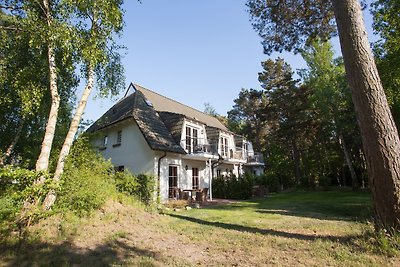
<point x="233" y="187"/>
<point x="141" y="186"/>
<point x="146" y="188"/>
<point x="270" y="181"/>
<point x="87" y="180"/>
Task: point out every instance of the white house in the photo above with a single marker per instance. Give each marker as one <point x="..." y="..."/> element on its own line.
<point x="182" y="147"/>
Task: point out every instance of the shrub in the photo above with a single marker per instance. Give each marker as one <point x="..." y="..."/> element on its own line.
<point x="233" y="187"/>
<point x="146" y="188"/>
<point x="141" y="186"/>
<point x="87" y="181"/>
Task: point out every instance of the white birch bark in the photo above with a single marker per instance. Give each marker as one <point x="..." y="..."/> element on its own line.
<point x="51" y="196"/>
<point x="42" y="164"/>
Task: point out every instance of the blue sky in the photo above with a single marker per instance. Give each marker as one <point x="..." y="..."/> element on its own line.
<point x="191" y="51"/>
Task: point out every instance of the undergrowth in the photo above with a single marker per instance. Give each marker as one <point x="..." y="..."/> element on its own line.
<point x="87" y="183"/>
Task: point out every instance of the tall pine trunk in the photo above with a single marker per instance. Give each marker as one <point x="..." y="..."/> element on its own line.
<point x="42" y="164"/>
<point x="13" y="143"/>
<point x="51" y="196"/>
<point x="379" y="134"/>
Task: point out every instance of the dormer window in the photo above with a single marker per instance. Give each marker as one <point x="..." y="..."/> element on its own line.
<point x="224" y="146"/>
<point x="192" y="135"/>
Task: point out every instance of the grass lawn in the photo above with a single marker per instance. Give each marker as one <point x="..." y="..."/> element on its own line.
<point x="289" y="229"/>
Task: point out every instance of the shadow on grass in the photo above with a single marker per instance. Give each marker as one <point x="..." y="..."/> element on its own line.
<point x="66" y="254"/>
<point x="271" y="232"/>
<point x="332" y="205"/>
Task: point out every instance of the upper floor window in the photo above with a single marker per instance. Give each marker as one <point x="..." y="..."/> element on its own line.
<point x="118" y="140"/>
<point x="192" y="135"/>
<point x="224" y="147"/>
<point x="119" y="137"/>
<point x="105" y="140"/>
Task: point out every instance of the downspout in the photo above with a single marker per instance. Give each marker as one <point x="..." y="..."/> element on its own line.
<point x="159" y="175"/>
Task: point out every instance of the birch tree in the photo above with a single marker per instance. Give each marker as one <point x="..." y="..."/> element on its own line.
<point x="99" y="22"/>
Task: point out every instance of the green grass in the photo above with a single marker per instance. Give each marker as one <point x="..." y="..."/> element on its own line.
<point x="288" y="229"/>
<point x="300" y="228"/>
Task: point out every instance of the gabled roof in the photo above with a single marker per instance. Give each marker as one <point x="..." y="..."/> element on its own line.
<point x="150" y="124"/>
<point x="165" y="104"/>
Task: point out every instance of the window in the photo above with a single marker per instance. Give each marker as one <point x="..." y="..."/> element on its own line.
<point x="119" y="137"/>
<point x="195" y="178"/>
<point x="192" y="136"/>
<point x="224" y="147"/>
<point x="188" y="139"/>
<point x="173" y="181"/>
<point x="105" y="140"/>
<point x="218" y="173"/>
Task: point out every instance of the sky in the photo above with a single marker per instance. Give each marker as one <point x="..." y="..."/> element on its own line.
<point x="192" y="51"/>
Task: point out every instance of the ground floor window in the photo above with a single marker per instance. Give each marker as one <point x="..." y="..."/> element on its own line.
<point x="195" y="178"/>
<point x="173" y="181"/>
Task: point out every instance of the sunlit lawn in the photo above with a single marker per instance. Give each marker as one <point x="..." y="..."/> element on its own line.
<point x="298" y="228"/>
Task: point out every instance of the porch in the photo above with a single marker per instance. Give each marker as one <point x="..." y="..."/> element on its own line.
<point x="192" y="195"/>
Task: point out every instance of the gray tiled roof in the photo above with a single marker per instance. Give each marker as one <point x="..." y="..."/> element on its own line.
<point x="157" y="135"/>
<point x="165" y="104"/>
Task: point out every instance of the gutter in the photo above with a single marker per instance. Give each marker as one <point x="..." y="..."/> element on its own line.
<point x="159" y="174"/>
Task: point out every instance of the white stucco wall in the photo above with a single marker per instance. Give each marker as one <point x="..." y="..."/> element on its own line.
<point x="134" y="153"/>
<point x="184" y="176"/>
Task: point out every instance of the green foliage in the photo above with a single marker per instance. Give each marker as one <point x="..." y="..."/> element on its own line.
<point x="381" y="242"/>
<point x="146" y="188"/>
<point x="87" y="182"/>
<point x="19" y="186"/>
<point x="387" y="51"/>
<point x="141" y="186"/>
<point x="288" y="25"/>
<point x="233" y="187"/>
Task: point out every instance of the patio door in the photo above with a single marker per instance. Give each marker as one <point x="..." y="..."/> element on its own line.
<point x="173" y="182"/>
<point x="195" y="178"/>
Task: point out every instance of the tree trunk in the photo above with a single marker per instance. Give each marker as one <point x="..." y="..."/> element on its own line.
<point x="51" y="196"/>
<point x="296" y="161"/>
<point x="13" y="143"/>
<point x="378" y="131"/>
<point x="354" y="180"/>
<point x="42" y="164"/>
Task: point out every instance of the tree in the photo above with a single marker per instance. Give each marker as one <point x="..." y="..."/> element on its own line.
<point x="288" y="25"/>
<point x="387" y="50"/>
<point x="210" y="110"/>
<point x="25" y="80"/>
<point x="99" y="56"/>
<point x="330" y="97"/>
<point x="42" y="163"/>
<point x="246" y="117"/>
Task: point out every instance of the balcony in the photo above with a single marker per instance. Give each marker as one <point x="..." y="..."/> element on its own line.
<point x="199" y="146"/>
<point x="255" y="159"/>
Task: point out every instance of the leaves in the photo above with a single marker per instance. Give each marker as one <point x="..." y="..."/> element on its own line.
<point x="289" y="25"/>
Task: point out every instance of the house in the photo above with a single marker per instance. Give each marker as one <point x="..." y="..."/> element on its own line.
<point x="182" y="147"/>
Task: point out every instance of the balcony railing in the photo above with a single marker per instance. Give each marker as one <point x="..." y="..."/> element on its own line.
<point x="255" y="158"/>
<point x="201" y="146"/>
